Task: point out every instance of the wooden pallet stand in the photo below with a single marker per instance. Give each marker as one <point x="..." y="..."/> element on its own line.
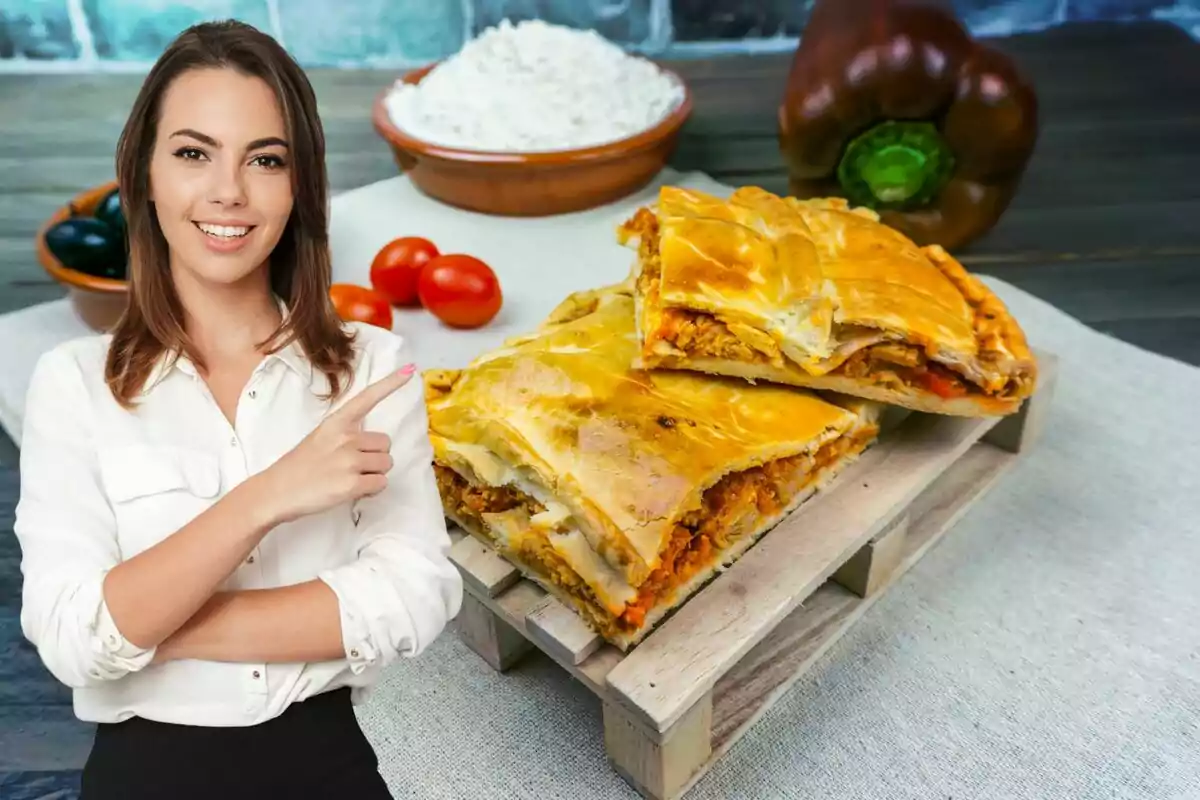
<point x="678" y="701"/>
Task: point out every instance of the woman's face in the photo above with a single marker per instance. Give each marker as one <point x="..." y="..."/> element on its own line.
<point x="220" y="176"/>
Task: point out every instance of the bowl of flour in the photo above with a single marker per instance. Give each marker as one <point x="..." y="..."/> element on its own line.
<point x="533" y="119"/>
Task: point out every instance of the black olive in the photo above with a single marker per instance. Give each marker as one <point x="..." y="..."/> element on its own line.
<point x="89" y="246"/>
<point x="108" y="210"/>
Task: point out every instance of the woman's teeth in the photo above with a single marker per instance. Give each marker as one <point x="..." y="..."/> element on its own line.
<point x="223" y="231"/>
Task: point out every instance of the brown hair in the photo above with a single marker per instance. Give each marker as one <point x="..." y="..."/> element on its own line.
<point x="300" y="268"/>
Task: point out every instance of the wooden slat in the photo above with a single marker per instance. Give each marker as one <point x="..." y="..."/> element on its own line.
<point x="482" y="569"/>
<point x="682" y="660"/>
<point x="659" y="767"/>
<point x="869" y="569"/>
<point x="561" y="632"/>
<point x="499" y="644"/>
<point x="514" y="605"/>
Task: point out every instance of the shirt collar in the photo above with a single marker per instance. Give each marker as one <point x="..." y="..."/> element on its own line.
<point x="292" y="355"/>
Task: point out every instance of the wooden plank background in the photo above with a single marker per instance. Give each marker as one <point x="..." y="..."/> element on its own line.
<point x="1105" y="226"/>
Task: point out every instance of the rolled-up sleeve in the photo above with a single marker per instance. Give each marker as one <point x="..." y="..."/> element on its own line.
<point x="399" y="593"/>
<point x="67" y="534"/>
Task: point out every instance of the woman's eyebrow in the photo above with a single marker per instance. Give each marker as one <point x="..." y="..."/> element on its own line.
<point x="266" y="141"/>
<point x="203" y="137"/>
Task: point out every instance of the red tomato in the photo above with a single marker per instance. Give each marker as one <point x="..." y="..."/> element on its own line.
<point x="397" y="265"/>
<point x="360" y="304"/>
<point x="941" y="385"/>
<point x="461" y="291"/>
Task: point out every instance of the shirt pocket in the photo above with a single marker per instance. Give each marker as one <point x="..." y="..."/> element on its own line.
<point x="155" y="490"/>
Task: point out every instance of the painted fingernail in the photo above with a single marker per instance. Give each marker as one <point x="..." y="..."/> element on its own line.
<point x="408" y="369"/>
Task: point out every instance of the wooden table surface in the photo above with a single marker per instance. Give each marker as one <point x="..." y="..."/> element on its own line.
<point x="1106" y="226"/>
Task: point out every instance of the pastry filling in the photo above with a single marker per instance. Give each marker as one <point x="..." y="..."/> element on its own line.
<point x="893" y="365"/>
<point x="740" y="504"/>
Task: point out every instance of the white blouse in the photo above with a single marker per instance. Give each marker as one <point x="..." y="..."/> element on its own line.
<point x="100" y="484"/>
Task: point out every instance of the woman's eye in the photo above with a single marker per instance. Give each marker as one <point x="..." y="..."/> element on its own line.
<point x="269" y="162"/>
<point x="190" y="153"/>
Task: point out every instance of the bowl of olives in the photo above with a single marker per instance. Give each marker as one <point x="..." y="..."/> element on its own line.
<point x="84" y="247"/>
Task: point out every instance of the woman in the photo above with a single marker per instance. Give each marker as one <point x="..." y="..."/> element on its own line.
<point x="228" y="516"/>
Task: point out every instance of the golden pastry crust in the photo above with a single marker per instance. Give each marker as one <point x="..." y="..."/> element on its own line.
<point x="814" y="293"/>
<point x="621" y="488"/>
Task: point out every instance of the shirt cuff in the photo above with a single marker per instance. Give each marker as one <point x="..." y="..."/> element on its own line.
<point x="117" y="655"/>
<point x="357" y="643"/>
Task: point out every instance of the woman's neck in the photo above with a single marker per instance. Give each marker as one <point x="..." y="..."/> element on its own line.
<point x="228" y="322"/>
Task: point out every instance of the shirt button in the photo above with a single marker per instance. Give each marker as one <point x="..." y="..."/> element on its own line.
<point x="253" y="394"/>
<point x="233" y="442"/>
<point x="354" y="654"/>
<point x="250" y="560"/>
<point x="256" y="675"/>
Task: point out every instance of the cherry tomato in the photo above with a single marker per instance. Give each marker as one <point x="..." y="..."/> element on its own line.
<point x="360" y="304"/>
<point x="397" y="265"/>
<point x="460" y="290"/>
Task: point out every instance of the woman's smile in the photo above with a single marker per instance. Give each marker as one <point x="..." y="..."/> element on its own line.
<point x="224" y="238"/>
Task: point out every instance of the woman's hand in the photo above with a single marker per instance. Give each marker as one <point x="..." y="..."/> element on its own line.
<point x="338" y="462"/>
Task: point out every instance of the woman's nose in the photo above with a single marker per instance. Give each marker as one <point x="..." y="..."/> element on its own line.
<point x="227" y="186"/>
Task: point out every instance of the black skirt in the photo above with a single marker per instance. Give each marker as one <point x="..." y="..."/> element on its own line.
<point x="315" y="749"/>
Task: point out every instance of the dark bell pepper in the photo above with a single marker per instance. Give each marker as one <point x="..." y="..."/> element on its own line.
<point x="892" y="105"/>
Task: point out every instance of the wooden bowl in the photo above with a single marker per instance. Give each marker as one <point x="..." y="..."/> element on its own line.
<point x="532" y="184"/>
<point x="98" y="301"/>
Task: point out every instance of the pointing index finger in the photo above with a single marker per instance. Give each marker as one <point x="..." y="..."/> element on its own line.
<point x="361" y="404"/>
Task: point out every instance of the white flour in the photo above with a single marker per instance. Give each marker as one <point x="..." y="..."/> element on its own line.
<point x="534" y="87"/>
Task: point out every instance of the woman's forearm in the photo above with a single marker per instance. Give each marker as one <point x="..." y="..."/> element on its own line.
<point x="289" y="624"/>
<point x="154" y="593"/>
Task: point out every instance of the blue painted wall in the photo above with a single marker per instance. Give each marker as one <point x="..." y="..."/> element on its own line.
<point x="116" y="34"/>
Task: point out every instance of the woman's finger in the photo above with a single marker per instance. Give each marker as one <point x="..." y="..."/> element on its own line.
<point x="371" y="442"/>
<point x="374" y="463"/>
<point x="371" y="484"/>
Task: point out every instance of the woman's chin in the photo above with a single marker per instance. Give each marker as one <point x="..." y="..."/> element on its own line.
<point x="224" y="273"/>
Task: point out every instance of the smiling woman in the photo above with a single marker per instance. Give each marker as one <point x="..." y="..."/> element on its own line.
<point x="216" y="195"/>
<point x="253" y="529"/>
<point x="204" y="179"/>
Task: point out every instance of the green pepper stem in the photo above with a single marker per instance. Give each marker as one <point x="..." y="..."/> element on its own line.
<point x="898" y="164"/>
